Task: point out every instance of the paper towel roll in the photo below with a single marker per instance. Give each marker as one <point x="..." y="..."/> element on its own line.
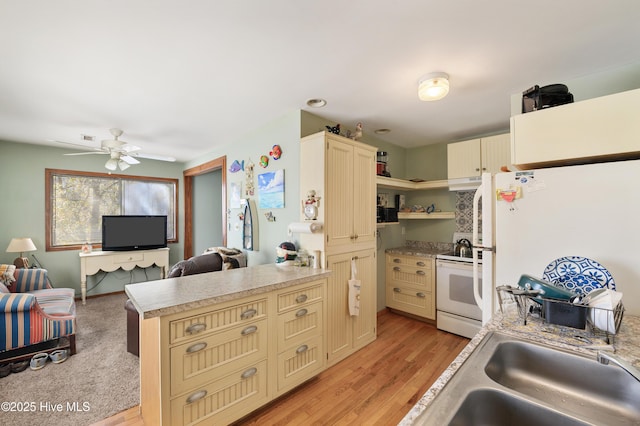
<point x="305" y="227"/>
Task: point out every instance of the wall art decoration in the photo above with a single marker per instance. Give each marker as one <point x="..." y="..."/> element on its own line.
<point x="236" y="166"/>
<point x="264" y="161"/>
<point x="271" y="190"/>
<point x="248" y="172"/>
<point x="235" y="189"/>
<point x="276" y="152"/>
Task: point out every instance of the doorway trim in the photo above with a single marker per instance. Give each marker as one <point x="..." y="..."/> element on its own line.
<point x="219" y="163"/>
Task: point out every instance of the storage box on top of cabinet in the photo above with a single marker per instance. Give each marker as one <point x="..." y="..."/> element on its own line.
<point x="410" y="285"/>
<point x="593" y="130"/>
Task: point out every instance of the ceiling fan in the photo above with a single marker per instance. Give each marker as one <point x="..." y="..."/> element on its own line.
<point x="120" y="152"/>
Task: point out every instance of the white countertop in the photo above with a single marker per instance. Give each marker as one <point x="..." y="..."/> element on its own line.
<point x="173" y="295"/>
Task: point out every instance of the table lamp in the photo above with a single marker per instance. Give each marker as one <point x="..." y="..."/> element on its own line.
<point x="20" y="245"/>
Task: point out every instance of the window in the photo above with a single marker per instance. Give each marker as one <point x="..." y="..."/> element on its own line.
<point x="76" y="201"/>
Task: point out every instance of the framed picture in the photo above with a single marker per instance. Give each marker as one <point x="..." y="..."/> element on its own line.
<point x="271" y="190"/>
<point x="235" y="188"/>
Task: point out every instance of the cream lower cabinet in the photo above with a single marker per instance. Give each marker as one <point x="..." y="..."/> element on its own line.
<point x="216" y="364"/>
<point x="347" y="333"/>
<point x="411" y="285"/>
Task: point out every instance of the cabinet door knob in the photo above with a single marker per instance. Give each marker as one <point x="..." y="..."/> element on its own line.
<point x="420" y="263"/>
<point x="301" y="313"/>
<point x="477" y="169"/>
<point x="396" y="289"/>
<point x="302" y="349"/>
<point x="196" y="347"/>
<point x="248" y="373"/>
<point x="196" y="396"/>
<point x="195" y="328"/>
<point x="302" y="298"/>
<point x="422" y="295"/>
<point x="396" y="268"/>
<point x="249" y="313"/>
<point x="249" y="330"/>
<point x="419" y="272"/>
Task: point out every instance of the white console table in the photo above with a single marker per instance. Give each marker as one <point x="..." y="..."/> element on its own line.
<point x="109" y="261"/>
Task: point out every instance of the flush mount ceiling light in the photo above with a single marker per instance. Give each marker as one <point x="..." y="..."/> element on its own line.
<point x="381" y="131"/>
<point x="316" y="103"/>
<point x="433" y="87"/>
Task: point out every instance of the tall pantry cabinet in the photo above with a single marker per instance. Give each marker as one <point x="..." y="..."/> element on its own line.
<point x="342" y="172"/>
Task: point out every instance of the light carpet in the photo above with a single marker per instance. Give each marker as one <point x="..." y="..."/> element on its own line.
<point x="100" y="380"/>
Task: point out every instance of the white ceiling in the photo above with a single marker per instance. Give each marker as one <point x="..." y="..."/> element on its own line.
<point x="181" y="77"/>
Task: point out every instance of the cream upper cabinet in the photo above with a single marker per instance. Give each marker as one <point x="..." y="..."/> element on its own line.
<point x="598" y="129"/>
<point x="342" y="172"/>
<point x="476" y="156"/>
<point x="350" y="193"/>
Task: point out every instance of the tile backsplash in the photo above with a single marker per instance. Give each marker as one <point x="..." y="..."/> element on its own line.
<point x="464" y="211"/>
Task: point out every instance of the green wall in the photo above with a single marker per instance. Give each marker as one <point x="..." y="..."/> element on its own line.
<point x="22" y="172"/>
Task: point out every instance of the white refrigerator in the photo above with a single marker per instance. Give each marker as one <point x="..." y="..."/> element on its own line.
<point x="530" y="218"/>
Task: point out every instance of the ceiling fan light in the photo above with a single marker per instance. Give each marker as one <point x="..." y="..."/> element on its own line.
<point x="111" y="164"/>
<point x="123" y="165"/>
<point x="433" y="87"/>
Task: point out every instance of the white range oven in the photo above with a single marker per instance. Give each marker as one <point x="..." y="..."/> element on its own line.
<point x="457" y="310"/>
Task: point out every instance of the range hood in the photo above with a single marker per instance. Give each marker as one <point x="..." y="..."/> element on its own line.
<point x="465" y="184"/>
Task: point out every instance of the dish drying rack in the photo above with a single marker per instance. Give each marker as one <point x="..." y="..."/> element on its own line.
<point x="598" y="322"/>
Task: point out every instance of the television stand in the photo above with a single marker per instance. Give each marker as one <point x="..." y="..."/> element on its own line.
<point x="109" y="261"/>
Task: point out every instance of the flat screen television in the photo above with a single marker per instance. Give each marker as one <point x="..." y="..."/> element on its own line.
<point x="133" y="232"/>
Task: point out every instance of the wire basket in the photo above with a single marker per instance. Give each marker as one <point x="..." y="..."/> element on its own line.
<point x="597" y="322"/>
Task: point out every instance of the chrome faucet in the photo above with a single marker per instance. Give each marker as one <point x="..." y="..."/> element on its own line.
<point x="605" y="359"/>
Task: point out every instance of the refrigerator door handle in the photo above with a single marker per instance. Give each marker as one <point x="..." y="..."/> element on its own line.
<point x="475" y="241"/>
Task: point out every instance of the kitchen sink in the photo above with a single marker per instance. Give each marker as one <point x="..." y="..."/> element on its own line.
<point x="491" y="407"/>
<point x="508" y="381"/>
<point x="579" y="384"/>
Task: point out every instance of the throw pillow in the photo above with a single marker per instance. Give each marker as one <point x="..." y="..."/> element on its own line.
<point x="6" y="274"/>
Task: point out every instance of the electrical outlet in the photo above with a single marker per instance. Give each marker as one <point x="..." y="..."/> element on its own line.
<point x="403" y="230"/>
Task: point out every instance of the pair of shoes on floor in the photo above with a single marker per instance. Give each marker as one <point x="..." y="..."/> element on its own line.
<point x="39" y="360"/>
<point x="15" y="367"/>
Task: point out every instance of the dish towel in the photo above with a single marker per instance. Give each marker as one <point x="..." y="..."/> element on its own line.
<point x="354" y="291"/>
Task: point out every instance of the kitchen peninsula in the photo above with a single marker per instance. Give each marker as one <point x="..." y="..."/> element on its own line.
<point x="219" y="345"/>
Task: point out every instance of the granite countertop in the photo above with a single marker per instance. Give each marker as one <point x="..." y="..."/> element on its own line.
<point x="173" y="295"/>
<point x="626" y="346"/>
<point x="421" y="249"/>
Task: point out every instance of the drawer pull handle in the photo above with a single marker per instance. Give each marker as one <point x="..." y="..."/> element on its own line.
<point x="396" y="260"/>
<point x="396" y="268"/>
<point x="396" y="289"/>
<point x="196" y="347"/>
<point x="421" y="272"/>
<point x="196" y="396"/>
<point x="302" y="349"/>
<point x="250" y="372"/>
<point x="301" y="313"/>
<point x="421" y="295"/>
<point x="249" y="313"/>
<point x="195" y="328"/>
<point x="249" y="330"/>
<point x="302" y="298"/>
<point x="420" y="263"/>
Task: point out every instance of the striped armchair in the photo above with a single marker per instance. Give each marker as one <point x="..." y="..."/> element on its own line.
<point x="31" y="311"/>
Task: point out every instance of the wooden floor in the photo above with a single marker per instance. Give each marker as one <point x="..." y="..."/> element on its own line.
<point x="377" y="385"/>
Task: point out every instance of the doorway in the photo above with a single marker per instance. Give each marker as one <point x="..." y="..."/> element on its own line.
<point x="192" y="188"/>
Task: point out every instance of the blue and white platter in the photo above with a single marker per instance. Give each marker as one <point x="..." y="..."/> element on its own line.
<point x="578" y="274"/>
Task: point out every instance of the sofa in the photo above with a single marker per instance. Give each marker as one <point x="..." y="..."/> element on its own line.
<point x="32" y="311"/>
<point x="212" y="260"/>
